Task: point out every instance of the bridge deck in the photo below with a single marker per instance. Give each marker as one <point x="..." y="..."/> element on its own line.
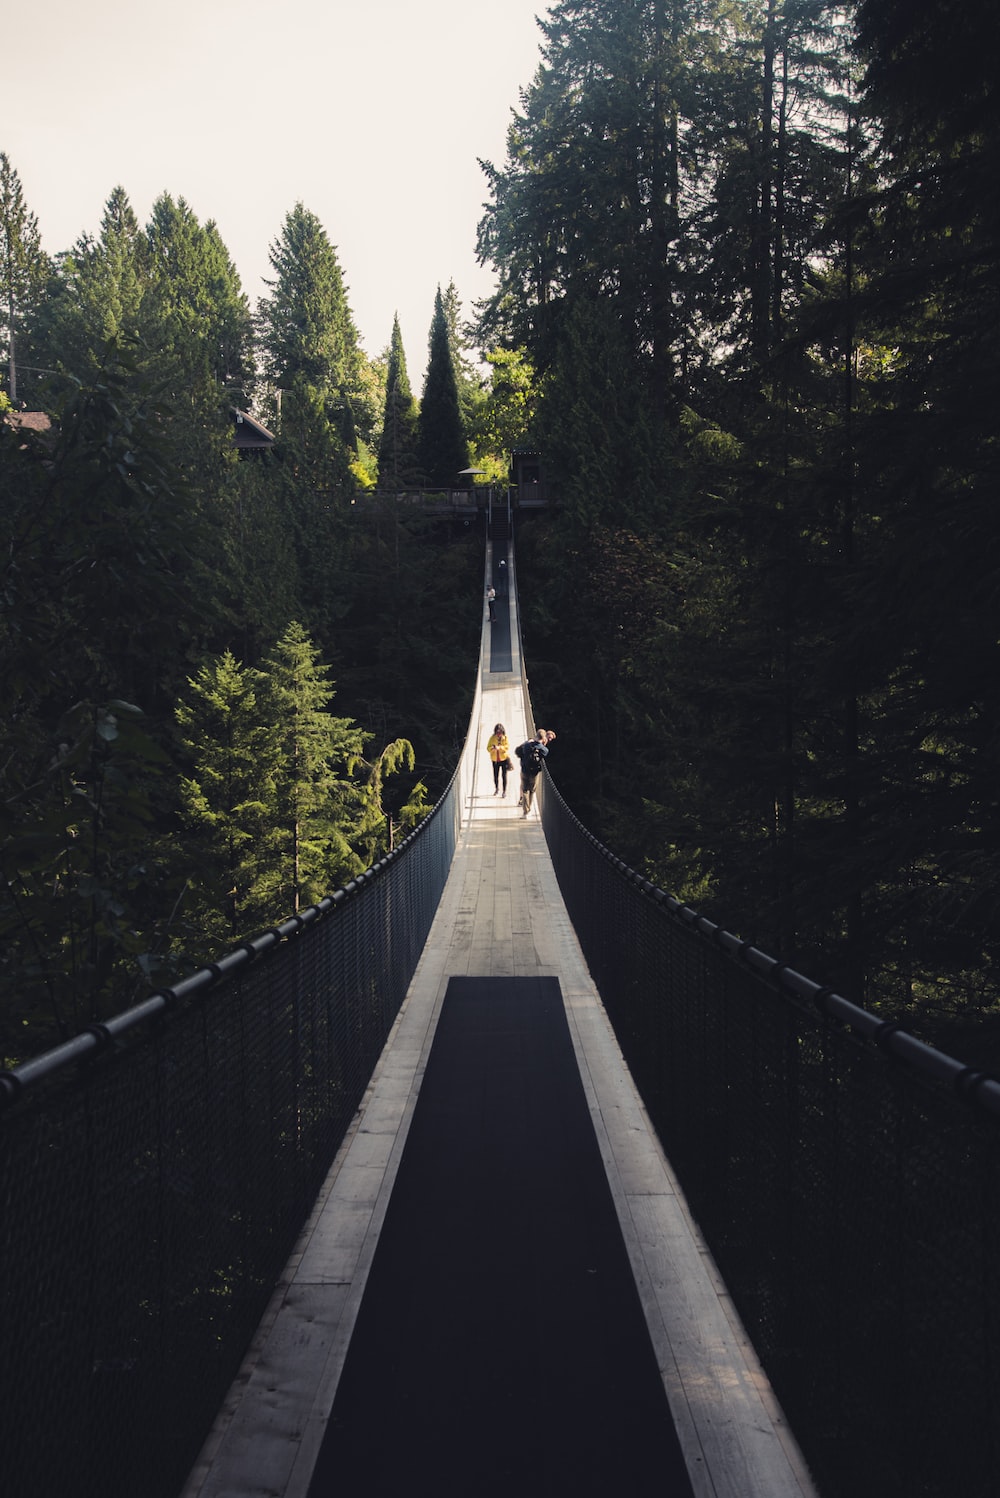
<point x="501" y="919"/>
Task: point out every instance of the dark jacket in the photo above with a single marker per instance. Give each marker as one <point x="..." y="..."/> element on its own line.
<point x="532" y="754"/>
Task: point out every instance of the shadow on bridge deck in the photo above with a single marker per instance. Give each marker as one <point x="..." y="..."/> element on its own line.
<point x="500" y="1290"/>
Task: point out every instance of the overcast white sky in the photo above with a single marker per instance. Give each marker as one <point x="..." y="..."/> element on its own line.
<point x="371" y="112"/>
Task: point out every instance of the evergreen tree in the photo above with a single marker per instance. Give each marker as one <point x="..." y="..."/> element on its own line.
<point x="103" y="540"/>
<point x="118" y="270"/>
<point x="775" y="144"/>
<point x="315" y="805"/>
<point x="597" y="186"/>
<point x="927" y="304"/>
<point x="305" y="325"/>
<point x="195" y="313"/>
<point x="443" y="447"/>
<point x="467" y="381"/>
<point x="92" y="310"/>
<point x="397" y="454"/>
<point x="505" y="417"/>
<point x="22" y="262"/>
<point x="83" y="894"/>
<point x="308" y="339"/>
<point x="229" y="797"/>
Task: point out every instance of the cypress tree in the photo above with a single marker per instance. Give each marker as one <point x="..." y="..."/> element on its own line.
<point x="397" y="453"/>
<point x="470" y="387"/>
<point x="443" y="448"/>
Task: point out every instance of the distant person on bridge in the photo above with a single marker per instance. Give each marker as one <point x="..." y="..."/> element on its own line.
<point x="532" y="754"/>
<point x="491" y="596"/>
<point x="498" y="749"/>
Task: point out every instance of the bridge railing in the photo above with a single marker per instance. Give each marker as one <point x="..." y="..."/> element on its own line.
<point x="846" y="1178"/>
<point x="156" y="1171"/>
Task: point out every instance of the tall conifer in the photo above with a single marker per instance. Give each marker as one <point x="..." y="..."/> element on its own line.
<point x="22" y="262"/>
<point x="307" y="332"/>
<point x="229" y="795"/>
<point x="315" y="805"/>
<point x="398" y="466"/>
<point x="443" y="448"/>
<point x="94" y="299"/>
<point x="196" y="312"/>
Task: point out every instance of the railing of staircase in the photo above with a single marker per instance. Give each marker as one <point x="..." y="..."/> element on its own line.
<point x="845" y="1175"/>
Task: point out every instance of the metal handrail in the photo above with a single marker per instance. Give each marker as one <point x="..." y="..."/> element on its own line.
<point x="976" y="1086"/>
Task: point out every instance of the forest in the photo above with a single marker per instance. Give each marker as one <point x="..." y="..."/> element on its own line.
<point x="746" y="308"/>
<point x="229" y="685"/>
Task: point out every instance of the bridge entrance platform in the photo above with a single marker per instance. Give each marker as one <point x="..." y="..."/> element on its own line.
<point x="500" y="1290"/>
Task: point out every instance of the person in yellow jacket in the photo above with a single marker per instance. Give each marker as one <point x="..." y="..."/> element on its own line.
<point x="498" y="750"/>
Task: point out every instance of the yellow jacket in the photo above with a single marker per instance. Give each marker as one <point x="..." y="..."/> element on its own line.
<point x="498" y="747"/>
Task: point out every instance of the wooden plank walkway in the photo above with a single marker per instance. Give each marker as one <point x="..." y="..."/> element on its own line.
<point x="501" y="915"/>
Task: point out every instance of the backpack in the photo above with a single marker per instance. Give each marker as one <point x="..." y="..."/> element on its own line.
<point x="531" y="759"/>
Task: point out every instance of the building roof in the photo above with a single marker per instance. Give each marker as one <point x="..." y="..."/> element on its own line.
<point x="250" y="434"/>
<point x="31" y="421"/>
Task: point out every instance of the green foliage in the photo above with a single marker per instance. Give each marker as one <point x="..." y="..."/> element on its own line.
<point x="373" y="833"/>
<point x="22" y="263"/>
<point x="305" y="326"/>
<point x="279" y="805"/>
<point x="194" y="312"/>
<point x="504" y="418"/>
<point x="106" y="553"/>
<point x="774" y="543"/>
<point x="315" y="805"/>
<point x="468" y="383"/>
<point x="138" y="556"/>
<point x="398" y="463"/>
<point x="229" y="797"/>
<point x="93" y="300"/>
<point x="442" y="446"/>
<point x="98" y="524"/>
<point x="83" y="891"/>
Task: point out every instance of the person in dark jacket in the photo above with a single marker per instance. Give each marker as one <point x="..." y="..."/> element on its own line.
<point x="532" y="754"/>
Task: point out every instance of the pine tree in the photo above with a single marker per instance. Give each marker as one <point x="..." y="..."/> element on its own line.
<point x="315" y="804"/>
<point x="305" y="325"/>
<point x="92" y="310"/>
<point x="443" y="448"/>
<point x="118" y="269"/>
<point x="309" y="343"/>
<point x="23" y="264"/>
<point x="229" y="796"/>
<point x="397" y="453"/>
<point x="195" y="314"/>
<point x="592" y="200"/>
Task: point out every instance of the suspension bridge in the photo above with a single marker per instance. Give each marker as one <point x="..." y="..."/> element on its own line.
<point x="498" y="1172"/>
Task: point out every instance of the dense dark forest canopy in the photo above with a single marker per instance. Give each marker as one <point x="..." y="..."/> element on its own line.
<point x="228" y="685"/>
<point x="751" y="251"/>
<point x="746" y="306"/>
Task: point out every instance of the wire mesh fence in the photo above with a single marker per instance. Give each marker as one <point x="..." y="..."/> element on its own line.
<point x="845" y="1177"/>
<point x="156" y="1172"/>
